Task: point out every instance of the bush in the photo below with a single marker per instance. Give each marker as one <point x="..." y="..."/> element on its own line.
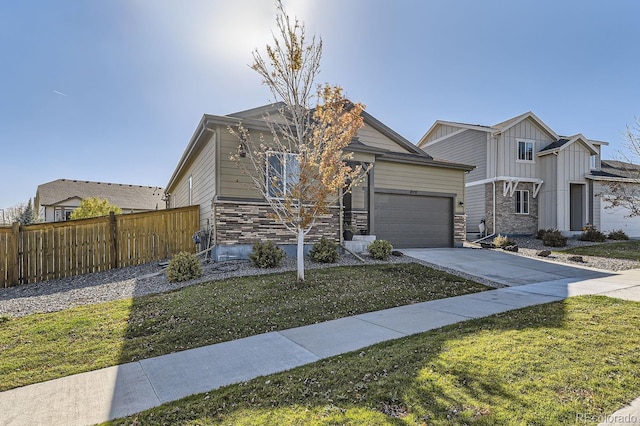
<point x="266" y="255"/>
<point x="380" y="249"/>
<point x="618" y="235"/>
<point x="554" y="238"/>
<point x="593" y="235"/>
<point x="502" y="241"/>
<point x="541" y="233"/>
<point x="324" y="251"/>
<point x="184" y="266"/>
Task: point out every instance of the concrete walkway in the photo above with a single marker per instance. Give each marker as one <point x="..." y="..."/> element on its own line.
<point x="109" y="393"/>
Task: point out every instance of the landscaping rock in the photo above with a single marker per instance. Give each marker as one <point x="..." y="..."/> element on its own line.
<point x="512" y="248"/>
<point x="397" y="253"/>
<point x="577" y="259"/>
<point x="544" y="253"/>
<point x="487" y="245"/>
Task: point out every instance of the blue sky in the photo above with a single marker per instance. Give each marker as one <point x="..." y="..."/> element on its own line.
<point x="112" y="90"/>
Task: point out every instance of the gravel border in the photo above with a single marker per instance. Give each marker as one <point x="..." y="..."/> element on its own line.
<point x="530" y="247"/>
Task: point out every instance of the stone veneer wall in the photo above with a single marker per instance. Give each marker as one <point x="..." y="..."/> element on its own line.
<point x="360" y="220"/>
<point x="507" y="221"/>
<point x="459" y="229"/>
<point x="245" y="223"/>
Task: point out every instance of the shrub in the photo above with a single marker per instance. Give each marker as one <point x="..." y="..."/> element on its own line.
<point x="502" y="241"/>
<point x="593" y="235"/>
<point x="380" y="249"/>
<point x="618" y="235"/>
<point x="184" y="266"/>
<point x="554" y="238"/>
<point x="324" y="251"/>
<point x="266" y="255"/>
<point x="542" y="232"/>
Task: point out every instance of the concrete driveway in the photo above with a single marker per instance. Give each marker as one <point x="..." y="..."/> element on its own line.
<point x="503" y="268"/>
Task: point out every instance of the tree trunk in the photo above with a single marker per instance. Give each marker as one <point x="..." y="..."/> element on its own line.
<point x="300" y="255"/>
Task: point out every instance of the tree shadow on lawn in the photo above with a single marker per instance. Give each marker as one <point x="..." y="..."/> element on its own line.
<point x="547" y="364"/>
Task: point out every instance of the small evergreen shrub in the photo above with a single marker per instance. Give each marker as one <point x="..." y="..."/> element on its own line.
<point x="502" y="241"/>
<point x="554" y="238"/>
<point x="380" y="249"/>
<point x="324" y="251"/>
<point x="184" y="266"/>
<point x="618" y="235"/>
<point x="593" y="235"/>
<point x="266" y="255"/>
<point x="542" y="232"/>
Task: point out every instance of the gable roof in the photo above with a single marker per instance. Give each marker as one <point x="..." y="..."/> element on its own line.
<point x="249" y="120"/>
<point x="565" y="142"/>
<point x="135" y="197"/>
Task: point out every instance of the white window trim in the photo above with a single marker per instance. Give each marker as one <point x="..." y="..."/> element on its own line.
<point x="285" y="173"/>
<point x="522" y="204"/>
<point x="533" y="151"/>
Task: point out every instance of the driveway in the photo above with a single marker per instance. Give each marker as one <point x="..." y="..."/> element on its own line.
<point x="501" y="267"/>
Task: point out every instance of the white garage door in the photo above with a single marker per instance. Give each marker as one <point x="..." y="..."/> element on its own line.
<point x="614" y="219"/>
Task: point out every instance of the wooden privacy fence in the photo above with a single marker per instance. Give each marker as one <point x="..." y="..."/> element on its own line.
<point x="48" y="251"/>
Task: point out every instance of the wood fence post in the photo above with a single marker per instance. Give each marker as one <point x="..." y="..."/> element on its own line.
<point x="14" y="275"/>
<point x="113" y="229"/>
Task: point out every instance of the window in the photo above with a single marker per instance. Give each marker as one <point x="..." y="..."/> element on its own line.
<point x="283" y="171"/>
<point x="522" y="202"/>
<point x="525" y="151"/>
<point x="62" y="213"/>
<point x="594" y="162"/>
<point x="190" y="189"/>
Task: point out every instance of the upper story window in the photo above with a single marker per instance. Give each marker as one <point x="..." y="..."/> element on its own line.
<point x="525" y="151"/>
<point x="594" y="162"/>
<point x="522" y="202"/>
<point x="283" y="172"/>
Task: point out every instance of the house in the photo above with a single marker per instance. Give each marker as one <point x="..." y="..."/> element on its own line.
<point x="409" y="198"/>
<point x="527" y="177"/>
<point x="617" y="218"/>
<point x="56" y="200"/>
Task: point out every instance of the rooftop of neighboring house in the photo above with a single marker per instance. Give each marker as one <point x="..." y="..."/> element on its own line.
<point x="614" y="168"/>
<point x="125" y="196"/>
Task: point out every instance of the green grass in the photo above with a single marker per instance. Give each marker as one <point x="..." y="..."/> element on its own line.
<point x="42" y="347"/>
<point x="552" y="364"/>
<point x="624" y="250"/>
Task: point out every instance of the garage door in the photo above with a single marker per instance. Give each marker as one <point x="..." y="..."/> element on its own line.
<point x="614" y="219"/>
<point x="409" y="221"/>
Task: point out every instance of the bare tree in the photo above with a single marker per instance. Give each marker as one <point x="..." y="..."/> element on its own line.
<point x="625" y="192"/>
<point x="301" y="170"/>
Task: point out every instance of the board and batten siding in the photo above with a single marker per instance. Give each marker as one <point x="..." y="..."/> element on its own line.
<point x="468" y="147"/>
<point x="573" y="167"/>
<point x="507" y="150"/>
<point x="201" y="170"/>
<point x="412" y="177"/>
<point x="548" y="195"/>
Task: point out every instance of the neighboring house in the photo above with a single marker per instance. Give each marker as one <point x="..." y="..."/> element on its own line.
<point x="56" y="200"/>
<point x="527" y="177"/>
<point x="617" y="218"/>
<point x="408" y="198"/>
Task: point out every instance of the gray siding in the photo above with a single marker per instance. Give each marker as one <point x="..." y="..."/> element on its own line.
<point x="548" y="195"/>
<point x="440" y="131"/>
<point x="475" y="207"/>
<point x="468" y="147"/>
<point x="507" y="154"/>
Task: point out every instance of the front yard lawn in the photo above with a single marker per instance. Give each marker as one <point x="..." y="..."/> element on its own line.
<point x="624" y="250"/>
<point x="570" y="362"/>
<point x="42" y="347"/>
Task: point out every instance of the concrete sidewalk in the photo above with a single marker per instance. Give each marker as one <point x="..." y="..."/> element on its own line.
<point x="126" y="389"/>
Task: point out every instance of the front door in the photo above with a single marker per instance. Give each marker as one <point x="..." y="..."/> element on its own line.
<point x="577" y="206"/>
